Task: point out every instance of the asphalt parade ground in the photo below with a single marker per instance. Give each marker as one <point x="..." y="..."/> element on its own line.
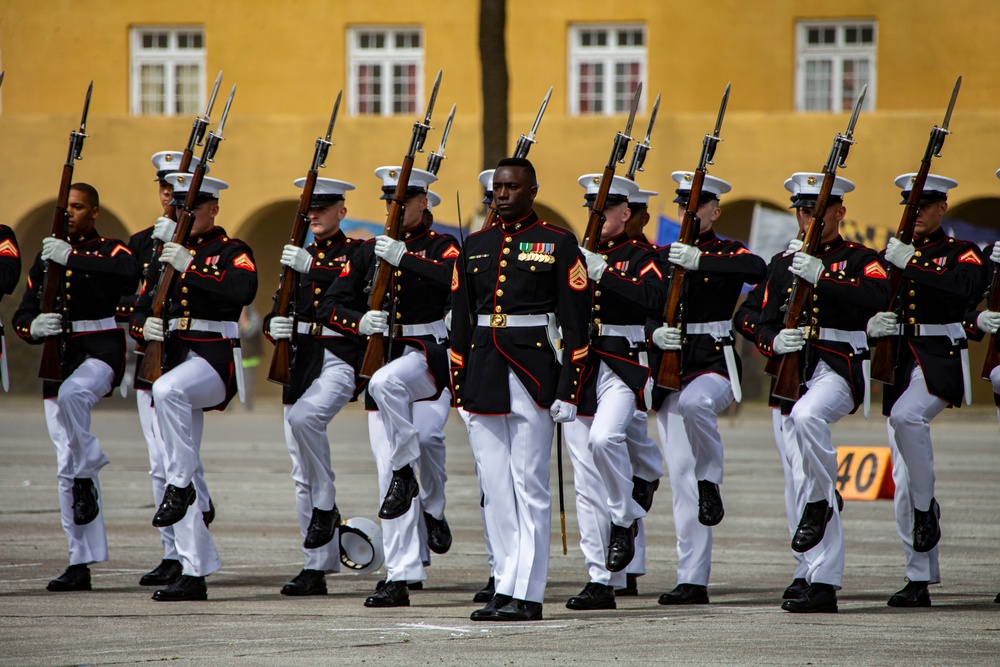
<point x="246" y="621"/>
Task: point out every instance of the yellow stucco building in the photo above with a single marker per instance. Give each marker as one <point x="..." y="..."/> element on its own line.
<point x="793" y="69"/>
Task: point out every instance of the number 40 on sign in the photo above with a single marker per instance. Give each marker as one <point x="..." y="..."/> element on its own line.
<point x="864" y="473"/>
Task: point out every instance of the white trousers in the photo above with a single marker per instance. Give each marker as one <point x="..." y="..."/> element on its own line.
<point x="791" y="464"/>
<point x="827" y="399"/>
<point x="429" y="417"/>
<point x="513" y="453"/>
<point x="913" y="469"/>
<point x="995" y="381"/>
<point x="179" y="396"/>
<point x="79" y="454"/>
<point x="309" y="447"/>
<point x="592" y="513"/>
<point x="482" y="496"/>
<point x="404" y="539"/>
<point x="647" y="464"/>
<point x="689" y="432"/>
<point x="395" y="388"/>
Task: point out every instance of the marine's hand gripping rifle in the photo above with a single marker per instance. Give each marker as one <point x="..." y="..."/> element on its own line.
<point x="55" y="274"/>
<point x="152" y="361"/>
<point x="789" y="377"/>
<point x="281" y="361"/>
<point x="669" y="373"/>
<point x="375" y="353"/>
<point x="884" y="357"/>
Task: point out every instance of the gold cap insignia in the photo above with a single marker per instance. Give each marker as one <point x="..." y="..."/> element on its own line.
<point x="180" y="179"/>
<point x="168" y="158"/>
<point x="393" y="174"/>
<point x="811" y="180"/>
<point x="597" y="180"/>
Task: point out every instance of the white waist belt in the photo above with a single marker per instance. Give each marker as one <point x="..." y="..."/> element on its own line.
<point x="630" y="331"/>
<point x="954" y="330"/>
<point x="225" y="329"/>
<point x="856" y="339"/>
<point x="316" y="329"/>
<point x="437" y="329"/>
<point x="718" y="330"/>
<point x="501" y="320"/>
<point x="80" y="326"/>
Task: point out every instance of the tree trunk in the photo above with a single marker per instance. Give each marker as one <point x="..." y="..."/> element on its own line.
<point x="493" y="64"/>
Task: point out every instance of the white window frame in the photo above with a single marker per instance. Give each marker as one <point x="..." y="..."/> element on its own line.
<point x="387" y="57"/>
<point x="836" y="54"/>
<point x="171" y="57"/>
<point x="609" y="55"/>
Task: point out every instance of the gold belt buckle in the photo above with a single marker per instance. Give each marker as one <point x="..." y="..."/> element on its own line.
<point x="810" y="332"/>
<point x="315" y="329"/>
<point x="183" y="323"/>
<point x="498" y="320"/>
<point x="597" y="329"/>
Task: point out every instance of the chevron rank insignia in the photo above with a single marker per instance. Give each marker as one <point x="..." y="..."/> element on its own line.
<point x="244" y="262"/>
<point x="875" y="270"/>
<point x="578" y="276"/>
<point x="970" y="257"/>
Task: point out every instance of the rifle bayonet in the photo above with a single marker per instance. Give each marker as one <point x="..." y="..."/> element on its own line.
<point x="639" y="153"/>
<point x="524" y="143"/>
<point x="215" y="137"/>
<point x="942" y="132"/>
<point x="1" y="77"/>
<point x="434" y="159"/>
<point x="323" y="145"/>
<point x="417" y="145"/>
<point x="712" y="141"/>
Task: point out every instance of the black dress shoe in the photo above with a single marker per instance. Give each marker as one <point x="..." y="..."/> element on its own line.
<point x="914" y="594"/>
<point x="818" y="599"/>
<point x="997" y="598"/>
<point x="393" y="594"/>
<point x="631" y="587"/>
<point x="487" y="592"/>
<point x="185" y="589"/>
<point x="410" y="586"/>
<point x="642" y="491"/>
<point x="402" y="490"/>
<point x="812" y="526"/>
<point x="621" y="547"/>
<point x="438" y="534"/>
<point x="686" y="594"/>
<point x="488" y="613"/>
<point x="593" y="596"/>
<point x="321" y="527"/>
<point x="306" y="582"/>
<point x="85" y="507"/>
<point x="796" y="590"/>
<point x="710" y="509"/>
<point x="75" y="578"/>
<point x="926" y="529"/>
<point x="163" y="574"/>
<point x="840" y="501"/>
<point x="209" y="516"/>
<point x="519" y="610"/>
<point x="174" y="505"/>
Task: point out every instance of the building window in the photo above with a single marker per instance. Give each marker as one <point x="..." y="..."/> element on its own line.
<point x="385" y="70"/>
<point x="168" y="71"/>
<point x="606" y="64"/>
<point x="835" y="59"/>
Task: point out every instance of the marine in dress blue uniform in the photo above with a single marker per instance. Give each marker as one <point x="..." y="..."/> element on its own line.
<point x="323" y="380"/>
<point x="97" y="269"/>
<point x="943" y="280"/>
<point x="10" y="274"/>
<point x="514" y="284"/>
<point x="848" y="286"/>
<point x="716" y="270"/>
<point x="216" y="277"/>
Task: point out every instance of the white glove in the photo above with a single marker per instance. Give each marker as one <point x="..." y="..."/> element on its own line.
<point x="685" y="256"/>
<point x="176" y="256"/>
<point x="447" y="320"/>
<point x="595" y="264"/>
<point x="389" y="250"/>
<point x="667" y="338"/>
<point x="46" y="324"/>
<point x="988" y="321"/>
<point x="562" y="412"/>
<point x="807" y="267"/>
<point x="164" y="229"/>
<point x="793" y="247"/>
<point x="898" y="253"/>
<point x="296" y="258"/>
<point x="373" y="322"/>
<point x="995" y="255"/>
<point x="882" y="325"/>
<point x="281" y="327"/>
<point x="55" y="250"/>
<point x="153" y="329"/>
<point x="788" y="340"/>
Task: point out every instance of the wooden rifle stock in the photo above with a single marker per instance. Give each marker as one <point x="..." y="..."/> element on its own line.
<point x="281" y="361"/>
<point x="374" y="357"/>
<point x="55" y="274"/>
<point x="993" y="303"/>
<point x="668" y="375"/>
